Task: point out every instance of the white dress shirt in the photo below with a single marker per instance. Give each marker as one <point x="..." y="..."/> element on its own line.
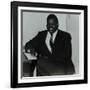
<point x="47" y="41"/>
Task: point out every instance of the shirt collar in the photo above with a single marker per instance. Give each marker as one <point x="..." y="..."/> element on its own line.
<point x="54" y="35"/>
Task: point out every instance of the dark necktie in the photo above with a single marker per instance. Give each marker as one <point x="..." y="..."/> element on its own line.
<point x="51" y="42"/>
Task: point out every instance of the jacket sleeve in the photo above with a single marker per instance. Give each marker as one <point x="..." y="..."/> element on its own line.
<point x="68" y="55"/>
<point x="68" y="47"/>
<point x="33" y="44"/>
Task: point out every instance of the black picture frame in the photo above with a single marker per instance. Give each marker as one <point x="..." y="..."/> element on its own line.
<point x="14" y="43"/>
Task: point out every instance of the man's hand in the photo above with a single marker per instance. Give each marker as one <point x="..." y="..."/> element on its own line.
<point x="32" y="52"/>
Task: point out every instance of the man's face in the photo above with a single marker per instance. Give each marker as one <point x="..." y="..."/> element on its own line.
<point x="52" y="25"/>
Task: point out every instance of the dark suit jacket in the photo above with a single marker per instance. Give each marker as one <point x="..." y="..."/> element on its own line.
<point x="59" y="60"/>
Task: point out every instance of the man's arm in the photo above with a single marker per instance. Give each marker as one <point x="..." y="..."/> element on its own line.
<point x="66" y="56"/>
<point x="32" y="45"/>
<point x="68" y="53"/>
<point x="31" y="52"/>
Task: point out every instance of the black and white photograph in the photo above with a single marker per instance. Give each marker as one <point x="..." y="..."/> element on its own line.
<point x="50" y="49"/>
<point x="49" y="44"/>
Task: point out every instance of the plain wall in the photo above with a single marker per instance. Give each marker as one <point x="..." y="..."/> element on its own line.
<point x="72" y="25"/>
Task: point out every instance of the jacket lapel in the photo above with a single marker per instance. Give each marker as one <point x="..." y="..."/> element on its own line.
<point x="44" y="44"/>
<point x="57" y="36"/>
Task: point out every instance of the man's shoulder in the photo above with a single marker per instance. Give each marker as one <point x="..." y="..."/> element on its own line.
<point x="42" y="32"/>
<point x="65" y="34"/>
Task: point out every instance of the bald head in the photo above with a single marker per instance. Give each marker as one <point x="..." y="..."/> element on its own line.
<point x="52" y="23"/>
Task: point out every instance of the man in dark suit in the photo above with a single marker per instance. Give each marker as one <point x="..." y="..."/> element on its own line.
<point x="52" y="47"/>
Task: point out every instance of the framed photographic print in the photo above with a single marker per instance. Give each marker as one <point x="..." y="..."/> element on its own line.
<point x="48" y="44"/>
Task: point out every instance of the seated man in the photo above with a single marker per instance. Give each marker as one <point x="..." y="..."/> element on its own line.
<point x="52" y="47"/>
